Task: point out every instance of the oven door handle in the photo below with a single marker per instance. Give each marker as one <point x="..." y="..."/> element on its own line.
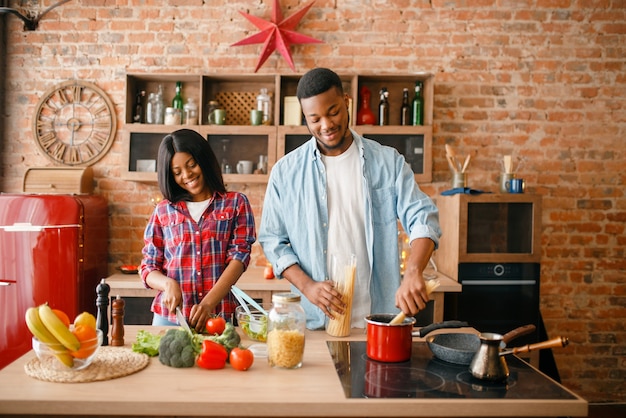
<point x="498" y="282"/>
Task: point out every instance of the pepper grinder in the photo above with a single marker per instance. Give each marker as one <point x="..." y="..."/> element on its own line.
<point x="102" y="303"/>
<point x="117" y="329"/>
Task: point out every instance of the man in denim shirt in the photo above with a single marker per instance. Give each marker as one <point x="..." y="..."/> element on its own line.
<point x="342" y="193"/>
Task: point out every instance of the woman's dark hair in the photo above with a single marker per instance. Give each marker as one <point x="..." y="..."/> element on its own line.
<point x="318" y="81"/>
<point x="191" y="142"/>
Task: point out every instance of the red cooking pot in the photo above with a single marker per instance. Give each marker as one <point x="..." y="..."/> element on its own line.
<point x="394" y="343"/>
<point x="389" y="343"/>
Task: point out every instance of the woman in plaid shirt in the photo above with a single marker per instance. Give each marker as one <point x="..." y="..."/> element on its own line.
<point x="198" y="239"/>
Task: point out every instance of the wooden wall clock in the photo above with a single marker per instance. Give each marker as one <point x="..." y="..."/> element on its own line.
<point x="75" y="123"/>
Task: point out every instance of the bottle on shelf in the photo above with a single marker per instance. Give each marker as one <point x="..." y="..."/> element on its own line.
<point x="150" y="116"/>
<point x="364" y="115"/>
<point x="190" y="112"/>
<point x="418" y="105"/>
<point x="405" y="110"/>
<point x="177" y="101"/>
<point x="159" y="106"/>
<point x="264" y="104"/>
<point x="138" y="113"/>
<point x="225" y="165"/>
<point x="383" y="107"/>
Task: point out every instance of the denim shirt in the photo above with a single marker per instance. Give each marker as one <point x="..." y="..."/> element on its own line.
<point x="294" y="223"/>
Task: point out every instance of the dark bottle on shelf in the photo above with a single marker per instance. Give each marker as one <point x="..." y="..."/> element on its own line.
<point x="405" y="110"/>
<point x="138" y="113"/>
<point x="177" y="102"/>
<point x="383" y="107"/>
<point x="418" y="105"/>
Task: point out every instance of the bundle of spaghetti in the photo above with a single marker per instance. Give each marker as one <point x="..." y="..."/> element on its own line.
<point x="340" y="325"/>
<point x="285" y="348"/>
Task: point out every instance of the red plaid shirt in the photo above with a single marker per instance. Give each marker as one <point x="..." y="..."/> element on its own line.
<point x="196" y="254"/>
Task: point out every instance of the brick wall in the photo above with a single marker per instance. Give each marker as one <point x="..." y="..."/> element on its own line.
<point x="543" y="80"/>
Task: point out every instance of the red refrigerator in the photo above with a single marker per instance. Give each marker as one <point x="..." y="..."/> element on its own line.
<point x="53" y="248"/>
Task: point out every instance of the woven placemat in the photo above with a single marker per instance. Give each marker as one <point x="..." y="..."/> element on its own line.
<point x="110" y="363"/>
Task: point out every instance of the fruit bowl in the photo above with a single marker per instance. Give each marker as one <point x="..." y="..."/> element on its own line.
<point x="57" y="357"/>
<point x="254" y="325"/>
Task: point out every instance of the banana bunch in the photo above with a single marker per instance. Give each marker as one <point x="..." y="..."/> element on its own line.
<point x="46" y="326"/>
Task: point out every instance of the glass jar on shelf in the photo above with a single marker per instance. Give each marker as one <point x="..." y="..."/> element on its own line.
<point x="212" y="107"/>
<point x="172" y="116"/>
<point x="190" y="112"/>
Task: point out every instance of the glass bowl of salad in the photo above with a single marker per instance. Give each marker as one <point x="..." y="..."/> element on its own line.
<point x="253" y="324"/>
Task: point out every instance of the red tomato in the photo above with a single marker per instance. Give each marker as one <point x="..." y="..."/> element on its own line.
<point x="215" y="325"/>
<point x="268" y="272"/>
<point x="241" y="358"/>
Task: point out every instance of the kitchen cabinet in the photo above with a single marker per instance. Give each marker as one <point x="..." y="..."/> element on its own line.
<point x="492" y="246"/>
<point x="238" y="140"/>
<point x="488" y="228"/>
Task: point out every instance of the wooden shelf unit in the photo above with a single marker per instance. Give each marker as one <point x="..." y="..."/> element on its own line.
<point x="453" y="245"/>
<point x="141" y="141"/>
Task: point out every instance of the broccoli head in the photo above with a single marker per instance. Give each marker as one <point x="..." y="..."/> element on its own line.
<point x="229" y="338"/>
<point x="176" y="349"/>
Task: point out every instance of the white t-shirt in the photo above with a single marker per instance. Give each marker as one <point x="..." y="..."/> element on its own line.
<point x="346" y="229"/>
<point x="196" y="209"/>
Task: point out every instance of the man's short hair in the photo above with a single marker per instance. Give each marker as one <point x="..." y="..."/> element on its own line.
<point x="318" y="81"/>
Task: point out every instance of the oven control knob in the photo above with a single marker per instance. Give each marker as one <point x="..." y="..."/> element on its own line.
<point x="498" y="270"/>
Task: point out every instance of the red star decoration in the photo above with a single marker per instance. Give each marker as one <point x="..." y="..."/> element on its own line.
<point x="277" y="34"/>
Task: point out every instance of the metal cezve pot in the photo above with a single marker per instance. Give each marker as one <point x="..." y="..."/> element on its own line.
<point x="489" y="362"/>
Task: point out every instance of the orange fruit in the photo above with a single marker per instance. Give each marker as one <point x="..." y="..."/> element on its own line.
<point x="86" y="319"/>
<point x="88" y="338"/>
<point x="62" y="316"/>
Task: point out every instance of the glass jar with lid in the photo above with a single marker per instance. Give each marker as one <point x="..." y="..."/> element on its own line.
<point x="190" y="112"/>
<point x="285" y="333"/>
<point x="173" y="116"/>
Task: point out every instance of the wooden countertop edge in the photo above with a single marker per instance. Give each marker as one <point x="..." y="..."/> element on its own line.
<point x="325" y="408"/>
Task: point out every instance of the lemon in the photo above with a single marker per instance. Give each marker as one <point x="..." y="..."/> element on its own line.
<point x="85" y="319"/>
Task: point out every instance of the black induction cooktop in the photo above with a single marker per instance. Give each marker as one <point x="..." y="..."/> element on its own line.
<point x="425" y="376"/>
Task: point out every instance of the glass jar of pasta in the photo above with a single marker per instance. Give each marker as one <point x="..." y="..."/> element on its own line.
<point x="285" y="333"/>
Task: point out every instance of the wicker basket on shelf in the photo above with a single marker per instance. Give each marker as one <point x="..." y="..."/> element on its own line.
<point x="238" y="106"/>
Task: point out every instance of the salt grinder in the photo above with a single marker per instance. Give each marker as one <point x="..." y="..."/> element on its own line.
<point x="117" y="329"/>
<point x="102" y="303"/>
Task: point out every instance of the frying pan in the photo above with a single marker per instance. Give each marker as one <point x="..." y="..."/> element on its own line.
<point x="459" y="348"/>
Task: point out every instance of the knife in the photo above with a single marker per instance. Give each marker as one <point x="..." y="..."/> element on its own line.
<point x="182" y="321"/>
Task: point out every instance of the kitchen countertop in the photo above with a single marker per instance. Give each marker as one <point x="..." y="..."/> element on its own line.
<point x="313" y="390"/>
<point x="252" y="282"/>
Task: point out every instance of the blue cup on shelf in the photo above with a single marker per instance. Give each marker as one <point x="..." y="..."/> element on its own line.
<point x="516" y="186"/>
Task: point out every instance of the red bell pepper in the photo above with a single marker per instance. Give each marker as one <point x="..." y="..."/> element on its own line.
<point x="213" y="355"/>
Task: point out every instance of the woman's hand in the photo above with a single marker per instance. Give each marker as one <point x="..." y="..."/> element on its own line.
<point x="199" y="315"/>
<point x="172" y="295"/>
